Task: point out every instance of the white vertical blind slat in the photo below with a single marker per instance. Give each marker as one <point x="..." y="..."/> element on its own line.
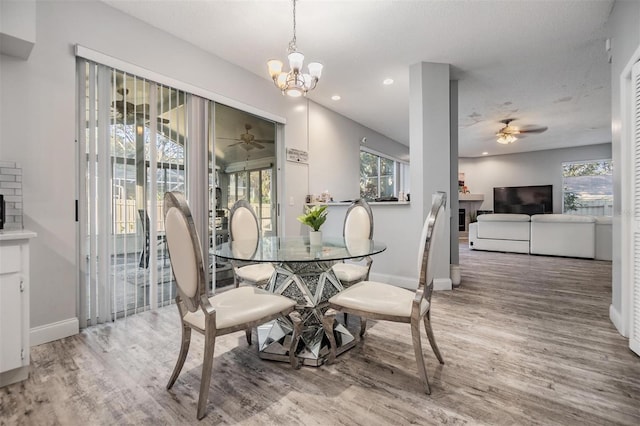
<point x="92" y="158"/>
<point x="82" y="191"/>
<point x="103" y="179"/>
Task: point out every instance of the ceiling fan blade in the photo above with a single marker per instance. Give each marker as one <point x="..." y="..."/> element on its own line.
<point x="533" y="129"/>
<point x="257" y="145"/>
<point x="235" y="144"/>
<point x="230" y="139"/>
<point x="263" y="141"/>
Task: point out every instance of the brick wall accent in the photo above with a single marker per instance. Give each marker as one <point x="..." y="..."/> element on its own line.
<point x="11" y="188"/>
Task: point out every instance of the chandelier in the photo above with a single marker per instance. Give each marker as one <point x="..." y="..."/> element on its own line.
<point x="294" y="83"/>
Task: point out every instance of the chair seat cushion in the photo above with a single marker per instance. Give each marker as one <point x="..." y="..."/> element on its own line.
<point x="241" y="305"/>
<point x="256" y="273"/>
<point x="378" y="298"/>
<point x="350" y="272"/>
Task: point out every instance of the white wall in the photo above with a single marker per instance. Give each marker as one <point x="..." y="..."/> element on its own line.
<point x="17" y="27"/>
<point x="624" y="31"/>
<point x="334" y="150"/>
<point x="482" y="174"/>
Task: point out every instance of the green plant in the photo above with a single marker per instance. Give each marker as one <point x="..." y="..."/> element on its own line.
<point x="314" y="216"/>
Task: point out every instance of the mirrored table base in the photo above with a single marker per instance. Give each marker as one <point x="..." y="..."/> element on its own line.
<point x="311" y="285"/>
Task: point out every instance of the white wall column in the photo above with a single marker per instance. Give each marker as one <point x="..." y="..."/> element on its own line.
<point x="429" y="146"/>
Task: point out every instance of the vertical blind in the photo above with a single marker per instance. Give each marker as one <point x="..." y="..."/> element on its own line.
<point x="132" y="147"/>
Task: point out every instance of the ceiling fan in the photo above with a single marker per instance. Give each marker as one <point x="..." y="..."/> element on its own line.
<point x="247" y="141"/>
<point x="128" y="113"/>
<point x="509" y="134"/>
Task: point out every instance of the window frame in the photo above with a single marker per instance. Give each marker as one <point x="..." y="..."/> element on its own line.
<point x="399" y="174"/>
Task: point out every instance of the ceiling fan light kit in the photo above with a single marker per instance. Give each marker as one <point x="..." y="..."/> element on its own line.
<point x="506" y="139"/>
<point x="294" y="83"/>
<point x="508" y="133"/>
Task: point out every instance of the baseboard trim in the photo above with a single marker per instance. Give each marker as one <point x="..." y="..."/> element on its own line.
<point x="54" y="331"/>
<point x="410" y="283"/>
<point x="616" y="319"/>
<point x="442" y="284"/>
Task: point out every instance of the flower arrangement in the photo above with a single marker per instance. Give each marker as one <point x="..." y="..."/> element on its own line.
<point x="314" y="217"/>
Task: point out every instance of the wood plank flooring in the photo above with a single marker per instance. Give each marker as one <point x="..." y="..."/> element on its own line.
<point x="526" y="340"/>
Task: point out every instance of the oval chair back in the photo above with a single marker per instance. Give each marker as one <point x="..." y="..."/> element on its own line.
<point x="433" y="232"/>
<point x="184" y="249"/>
<point x="358" y="223"/>
<point x="243" y="222"/>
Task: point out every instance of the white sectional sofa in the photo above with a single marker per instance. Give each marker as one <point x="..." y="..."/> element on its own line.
<point x="563" y="235"/>
<point x="545" y="234"/>
<point x="500" y="232"/>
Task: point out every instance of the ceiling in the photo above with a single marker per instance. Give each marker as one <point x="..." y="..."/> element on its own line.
<point x="542" y="62"/>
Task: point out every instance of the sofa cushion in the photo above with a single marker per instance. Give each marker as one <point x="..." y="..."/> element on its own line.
<point x="503" y="226"/>
<point x="563" y="235"/>
<point x="503" y="217"/>
<point x="562" y="218"/>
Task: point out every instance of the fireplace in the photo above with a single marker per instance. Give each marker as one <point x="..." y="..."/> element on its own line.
<point x="462" y="215"/>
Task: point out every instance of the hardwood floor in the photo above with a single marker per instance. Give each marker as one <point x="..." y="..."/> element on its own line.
<point x="526" y="340"/>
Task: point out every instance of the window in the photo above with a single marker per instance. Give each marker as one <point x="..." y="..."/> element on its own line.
<point x="587" y="187"/>
<point x="380" y="176"/>
<point x="256" y="187"/>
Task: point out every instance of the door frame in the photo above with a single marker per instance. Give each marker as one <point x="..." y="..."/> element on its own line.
<point x="624" y="321"/>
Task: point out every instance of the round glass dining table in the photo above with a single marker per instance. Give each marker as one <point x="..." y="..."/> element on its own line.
<point x="303" y="272"/>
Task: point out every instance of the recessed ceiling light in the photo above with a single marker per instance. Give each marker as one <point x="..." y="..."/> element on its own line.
<point x="335" y="98"/>
<point x="485" y="153"/>
<point x="387" y="81"/>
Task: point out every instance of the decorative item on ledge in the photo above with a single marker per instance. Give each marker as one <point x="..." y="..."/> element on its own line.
<point x="470" y="197"/>
<point x="314" y="217"/>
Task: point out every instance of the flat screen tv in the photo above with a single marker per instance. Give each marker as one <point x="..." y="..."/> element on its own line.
<point x="523" y="199"/>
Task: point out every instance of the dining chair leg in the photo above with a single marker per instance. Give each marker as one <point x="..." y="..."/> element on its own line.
<point x="295" y="339"/>
<point x="431" y="337"/>
<point x="328" y="320"/>
<point x="207" y="363"/>
<point x="184" y="349"/>
<point x="247" y="333"/>
<point x="363" y="326"/>
<point x="417" y="348"/>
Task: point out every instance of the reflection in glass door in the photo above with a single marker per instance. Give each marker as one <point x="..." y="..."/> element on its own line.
<point x="245" y="163"/>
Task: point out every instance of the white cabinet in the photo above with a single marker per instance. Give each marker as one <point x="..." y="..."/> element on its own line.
<point x="14" y="306"/>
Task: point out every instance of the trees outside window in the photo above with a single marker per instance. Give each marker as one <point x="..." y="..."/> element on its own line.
<point x="378" y="176"/>
<point x="587" y="187"/>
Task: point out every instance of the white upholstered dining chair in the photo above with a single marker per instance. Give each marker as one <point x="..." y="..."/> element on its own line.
<point x="243" y="225"/>
<point x="380" y="301"/>
<point x="358" y="226"/>
<point x="233" y="310"/>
